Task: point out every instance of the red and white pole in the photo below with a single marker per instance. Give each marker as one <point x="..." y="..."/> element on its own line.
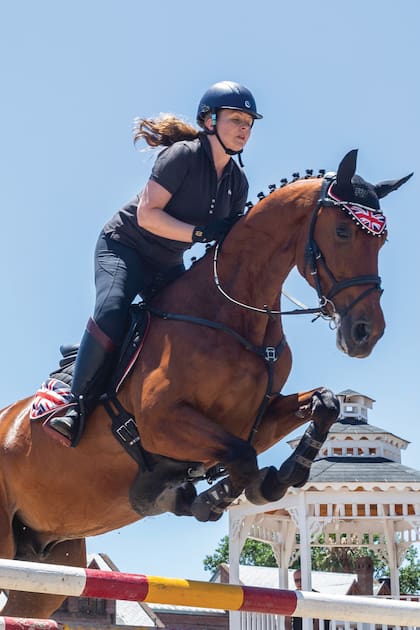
<point x="63" y="580"/>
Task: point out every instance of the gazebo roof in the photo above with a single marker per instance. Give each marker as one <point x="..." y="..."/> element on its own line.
<point x="363" y="470"/>
<point x="353" y="426"/>
<point x="350" y="393"/>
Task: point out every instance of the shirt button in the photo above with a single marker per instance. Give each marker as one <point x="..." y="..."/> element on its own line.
<point x="210" y="211"/>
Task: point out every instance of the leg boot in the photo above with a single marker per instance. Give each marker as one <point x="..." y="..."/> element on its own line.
<point x="92" y="370"/>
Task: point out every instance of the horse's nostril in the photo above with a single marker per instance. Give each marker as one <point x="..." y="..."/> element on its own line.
<point x="361" y="332"/>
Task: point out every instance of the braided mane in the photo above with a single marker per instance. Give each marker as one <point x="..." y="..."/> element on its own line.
<point x="283" y="182"/>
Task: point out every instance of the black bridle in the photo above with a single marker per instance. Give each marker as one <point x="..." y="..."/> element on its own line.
<point x="315" y="260"/>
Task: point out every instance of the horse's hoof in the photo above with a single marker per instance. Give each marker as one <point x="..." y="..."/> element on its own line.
<point x="274" y="486"/>
<point x="325" y="408"/>
<point x="210" y="505"/>
<point x="254" y="492"/>
<point x="205" y="511"/>
<point x="184" y="497"/>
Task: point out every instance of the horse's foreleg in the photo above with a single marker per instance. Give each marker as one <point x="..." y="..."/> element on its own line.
<point x="322" y="408"/>
<point x="192" y="436"/>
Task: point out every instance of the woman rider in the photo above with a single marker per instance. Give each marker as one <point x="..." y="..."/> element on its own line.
<point x="195" y="193"/>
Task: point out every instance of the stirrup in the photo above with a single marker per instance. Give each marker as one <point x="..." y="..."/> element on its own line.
<point x="66" y="425"/>
<point x="65" y="429"/>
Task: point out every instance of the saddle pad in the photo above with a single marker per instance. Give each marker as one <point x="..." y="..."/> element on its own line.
<point x="53" y="394"/>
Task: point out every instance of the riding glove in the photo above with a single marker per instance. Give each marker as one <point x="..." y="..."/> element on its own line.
<point x="214" y="231"/>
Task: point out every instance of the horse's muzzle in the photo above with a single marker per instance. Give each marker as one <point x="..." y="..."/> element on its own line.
<point x="357" y="336"/>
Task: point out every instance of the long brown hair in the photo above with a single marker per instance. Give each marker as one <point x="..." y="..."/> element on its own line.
<point x="163" y="131"/>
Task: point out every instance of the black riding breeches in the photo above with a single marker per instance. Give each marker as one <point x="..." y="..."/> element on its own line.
<point x="120" y="275"/>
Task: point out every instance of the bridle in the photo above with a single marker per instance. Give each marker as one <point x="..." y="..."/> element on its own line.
<point x="315" y="260"/>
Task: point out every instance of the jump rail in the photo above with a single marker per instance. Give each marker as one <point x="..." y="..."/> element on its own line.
<point x="15" y="623"/>
<point x="78" y="582"/>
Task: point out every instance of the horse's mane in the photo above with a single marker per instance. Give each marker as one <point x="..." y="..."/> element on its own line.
<point x="309" y="174"/>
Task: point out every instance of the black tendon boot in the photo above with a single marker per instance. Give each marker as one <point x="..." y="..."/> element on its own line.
<point x="92" y="369"/>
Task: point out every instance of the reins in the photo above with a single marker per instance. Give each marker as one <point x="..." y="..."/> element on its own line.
<point x="314" y="257"/>
<point x="266" y="310"/>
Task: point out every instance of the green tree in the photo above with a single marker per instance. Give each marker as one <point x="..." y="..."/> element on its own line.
<point x="341" y="559"/>
<point x="254" y="553"/>
<point x="409" y="573"/>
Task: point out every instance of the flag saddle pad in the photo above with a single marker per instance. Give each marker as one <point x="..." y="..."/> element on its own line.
<point x="54" y="397"/>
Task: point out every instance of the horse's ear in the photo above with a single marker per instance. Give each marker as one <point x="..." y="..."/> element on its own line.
<point x="347" y="168"/>
<point x="384" y="188"/>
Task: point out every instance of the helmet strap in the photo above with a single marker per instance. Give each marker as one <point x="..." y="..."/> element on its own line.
<point x="216" y="133"/>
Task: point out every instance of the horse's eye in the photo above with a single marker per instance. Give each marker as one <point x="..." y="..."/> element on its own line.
<point x="343" y="232"/>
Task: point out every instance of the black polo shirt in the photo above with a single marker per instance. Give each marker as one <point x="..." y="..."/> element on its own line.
<point x="186" y="170"/>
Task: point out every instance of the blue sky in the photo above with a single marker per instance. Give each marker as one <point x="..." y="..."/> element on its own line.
<point x="328" y="77"/>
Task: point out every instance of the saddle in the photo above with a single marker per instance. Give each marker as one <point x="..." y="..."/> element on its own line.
<point x="54" y="396"/>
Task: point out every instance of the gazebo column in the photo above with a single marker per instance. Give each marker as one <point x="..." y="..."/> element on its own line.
<point x="305" y="552"/>
<point x="391" y="545"/>
<point x="239" y="527"/>
<point x="282" y="551"/>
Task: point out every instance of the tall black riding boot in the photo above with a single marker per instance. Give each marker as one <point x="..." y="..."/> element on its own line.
<point x="92" y="370"/>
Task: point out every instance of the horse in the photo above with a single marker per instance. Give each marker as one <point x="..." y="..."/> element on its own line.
<point x="205" y="391"/>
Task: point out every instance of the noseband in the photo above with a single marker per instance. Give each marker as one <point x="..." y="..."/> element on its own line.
<point x="315" y="260"/>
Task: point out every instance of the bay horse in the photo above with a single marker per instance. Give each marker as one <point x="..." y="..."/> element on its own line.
<point x="205" y="390"/>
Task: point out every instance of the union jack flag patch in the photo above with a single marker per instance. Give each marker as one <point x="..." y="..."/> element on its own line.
<point x="51" y="395"/>
<point x="369" y="219"/>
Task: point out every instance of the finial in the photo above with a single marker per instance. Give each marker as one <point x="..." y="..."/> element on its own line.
<point x="261" y="196"/>
<point x="249" y="205"/>
<point x="309" y="172"/>
<point x="321" y="172"/>
<point x="283" y="182"/>
<point x="272" y="188"/>
<point x="295" y="176"/>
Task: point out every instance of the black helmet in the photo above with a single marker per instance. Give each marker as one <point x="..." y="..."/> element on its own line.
<point x="226" y="95"/>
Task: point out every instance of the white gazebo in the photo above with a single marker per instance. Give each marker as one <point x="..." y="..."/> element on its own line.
<point x="359" y="494"/>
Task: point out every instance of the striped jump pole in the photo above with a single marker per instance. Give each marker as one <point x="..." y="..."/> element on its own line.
<point x="15" y="623"/>
<point x="77" y="582"/>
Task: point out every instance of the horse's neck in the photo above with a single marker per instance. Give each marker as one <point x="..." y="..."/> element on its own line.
<point x="252" y="265"/>
<point x="256" y="258"/>
<point x="264" y="246"/>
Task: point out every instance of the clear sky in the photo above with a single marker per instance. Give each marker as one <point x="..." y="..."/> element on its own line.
<point x="328" y="76"/>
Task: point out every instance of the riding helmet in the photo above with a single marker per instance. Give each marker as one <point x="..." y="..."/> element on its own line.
<point x="226" y="95"/>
